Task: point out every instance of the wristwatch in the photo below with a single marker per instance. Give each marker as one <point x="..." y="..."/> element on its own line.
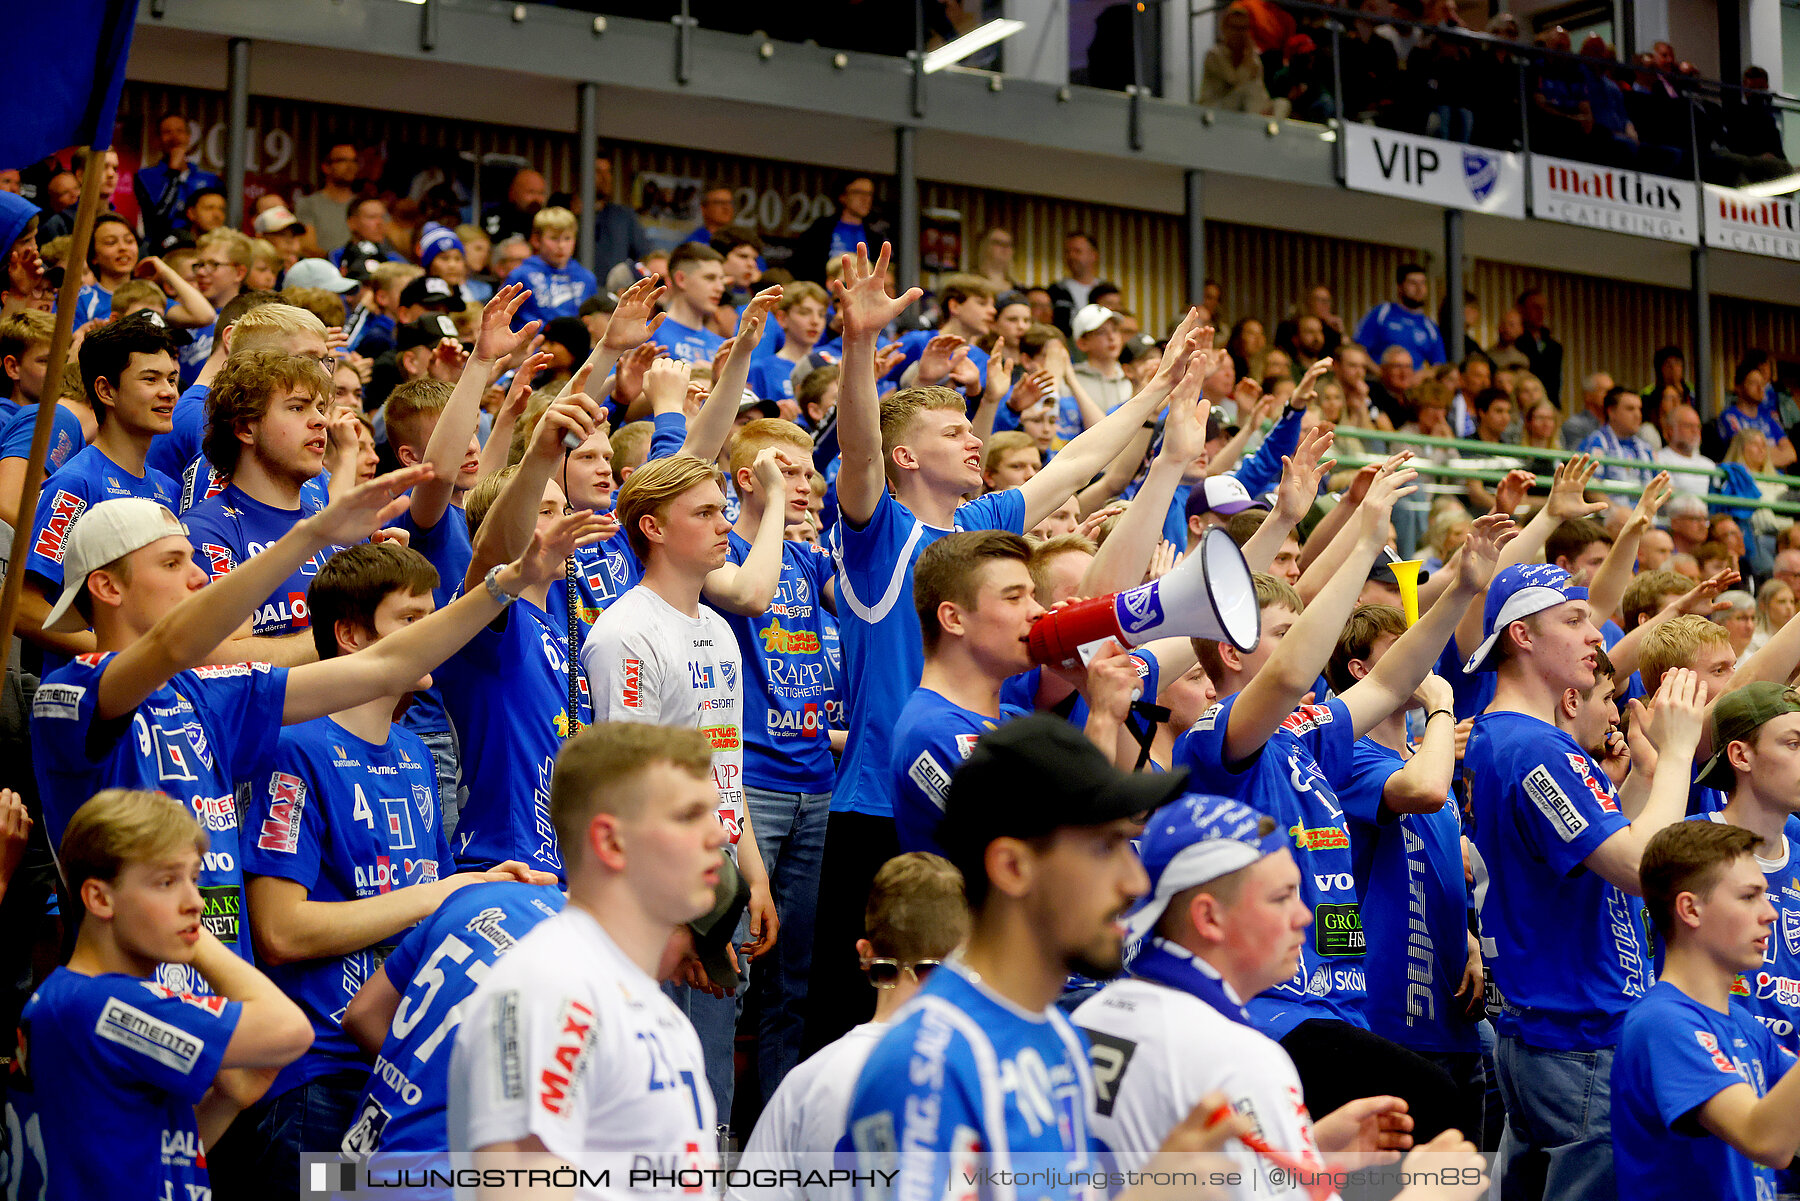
<point x="501" y="596"/>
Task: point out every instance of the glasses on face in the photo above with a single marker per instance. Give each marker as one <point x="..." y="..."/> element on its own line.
<point x="210" y="265"/>
<point x="884" y="973"/>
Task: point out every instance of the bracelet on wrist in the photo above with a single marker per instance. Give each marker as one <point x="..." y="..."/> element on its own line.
<point x="1435" y="712"/>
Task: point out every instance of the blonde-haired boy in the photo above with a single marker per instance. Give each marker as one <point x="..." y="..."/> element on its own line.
<point x="558" y="285"/>
<point x="801" y="315"/>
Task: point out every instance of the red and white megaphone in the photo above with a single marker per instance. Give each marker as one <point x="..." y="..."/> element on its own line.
<point x="1211" y="595"/>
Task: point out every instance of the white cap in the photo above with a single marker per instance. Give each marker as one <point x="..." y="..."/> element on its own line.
<point x="275" y="219"/>
<point x="1090" y="318"/>
<point x="318" y="273"/>
<point x="109" y="531"/>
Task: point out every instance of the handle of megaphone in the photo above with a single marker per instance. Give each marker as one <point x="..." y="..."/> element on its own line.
<point x="1057" y="637"/>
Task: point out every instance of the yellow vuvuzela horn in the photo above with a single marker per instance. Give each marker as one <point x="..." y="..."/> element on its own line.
<point x="1406" y="578"/>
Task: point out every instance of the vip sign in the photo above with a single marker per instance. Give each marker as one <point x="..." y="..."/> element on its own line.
<point x="1627" y="202"/>
<point x="1766" y="225"/>
<point x="1433" y="171"/>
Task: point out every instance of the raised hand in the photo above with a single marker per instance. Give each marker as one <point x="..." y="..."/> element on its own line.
<point x="1702" y="599"/>
<point x="1184" y="344"/>
<point x="1487" y="536"/>
<point x="862" y="294"/>
<point x="1677" y="713"/>
<point x="888" y="358"/>
<point x="1247" y="393"/>
<point x="1090" y="529"/>
<point x="575" y="414"/>
<point x="15" y="831"/>
<point x="628" y="383"/>
<point x="1378" y="506"/>
<point x="1568" y="499"/>
<point x="1307" y="390"/>
<point x="1162" y="561"/>
<point x="636" y="318"/>
<point x="543" y="560"/>
<point x="447" y="360"/>
<point x="519" y="391"/>
<point x="337" y="342"/>
<point x="1656" y="494"/>
<point x="769" y="473"/>
<point x="1301" y="473"/>
<point x="666" y="383"/>
<point x="721" y="355"/>
<point x="963" y="371"/>
<point x="1184" y="429"/>
<point x="938" y="358"/>
<point x="497" y="338"/>
<point x="756" y="313"/>
<point x="1510" y="492"/>
<point x="368" y="507"/>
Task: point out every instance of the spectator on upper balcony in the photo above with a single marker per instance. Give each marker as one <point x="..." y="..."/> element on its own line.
<point x="1616" y="141"/>
<point x="525" y="195"/>
<point x="1404" y="321"/>
<point x="1370" y="66"/>
<point x="1438" y="70"/>
<point x="1494" y="87"/>
<point x="325" y="210"/>
<point x="994" y="260"/>
<point x="1752" y="408"/>
<point x="1562" y="110"/>
<point x="1303" y="80"/>
<point x="1543" y="353"/>
<point x="1748" y="147"/>
<point x="165" y="187"/>
<point x="1070" y="294"/>
<point x="1231" y="77"/>
<point x="1317" y="302"/>
<point x="838" y="233"/>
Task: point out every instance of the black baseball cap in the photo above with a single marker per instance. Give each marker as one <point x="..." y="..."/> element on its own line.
<point x="427" y="329"/>
<point x="360" y="259"/>
<point x="1038" y="774"/>
<point x="428" y="291"/>
<point x="713" y="930"/>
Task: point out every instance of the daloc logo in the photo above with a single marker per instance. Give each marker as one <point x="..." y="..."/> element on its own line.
<point x="1481" y="172"/>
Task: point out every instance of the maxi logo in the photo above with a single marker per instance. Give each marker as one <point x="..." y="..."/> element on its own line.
<point x="52" y="540"/>
<point x="219" y="559"/>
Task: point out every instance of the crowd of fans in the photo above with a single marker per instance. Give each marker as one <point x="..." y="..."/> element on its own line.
<point x="445" y="583"/>
<point x="1429" y="77"/>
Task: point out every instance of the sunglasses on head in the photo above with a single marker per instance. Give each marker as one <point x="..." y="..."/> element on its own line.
<point x="885" y="973"/>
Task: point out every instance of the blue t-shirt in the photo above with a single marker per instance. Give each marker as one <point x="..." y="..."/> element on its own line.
<point x="1415" y="911"/>
<point x="1771" y="994"/>
<point x="171" y="453"/>
<point x="344" y="819"/>
<point x="85" y="480"/>
<point x="1291" y="778"/>
<point x="1569" y="951"/>
<point x="196" y="739"/>
<point x="1393" y="324"/>
<point x="100" y="1102"/>
<point x="913" y="347"/>
<point x="685" y="344"/>
<point x="844" y="237"/>
<point x="65" y="437"/>
<point x="786" y="680"/>
<point x="507" y="692"/>
<point x="193" y="356"/>
<point x="964" y="1080"/>
<point x="1473" y="691"/>
<point x="447" y="547"/>
<point x="555" y="291"/>
<point x="604" y="571"/>
<point x="92" y="303"/>
<point x="229" y="528"/>
<point x="931" y="739"/>
<point x="883" y="653"/>
<point x="1676" y="1054"/>
<point x="772" y="377"/>
<point x="437" y="965"/>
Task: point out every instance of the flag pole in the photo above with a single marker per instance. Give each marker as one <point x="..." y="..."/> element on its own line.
<point x="85" y="217"/>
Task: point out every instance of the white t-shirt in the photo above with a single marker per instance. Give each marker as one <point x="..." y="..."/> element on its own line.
<point x="647" y="661"/>
<point x="1687" y="481"/>
<point x="806" y="1117"/>
<point x="1157" y="1051"/>
<point x="569" y="1040"/>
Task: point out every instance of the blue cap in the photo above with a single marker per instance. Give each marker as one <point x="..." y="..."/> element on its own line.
<point x="1197" y="839"/>
<point x="436" y="240"/>
<point x="16" y="213"/>
<point x="1517" y="593"/>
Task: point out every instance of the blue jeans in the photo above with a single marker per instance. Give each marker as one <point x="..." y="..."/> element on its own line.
<point x="1558" y="1137"/>
<point x="312" y="1117"/>
<point x="715" y="1020"/>
<point x="790" y="833"/>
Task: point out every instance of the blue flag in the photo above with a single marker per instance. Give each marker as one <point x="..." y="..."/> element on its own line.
<point x="71" y="73"/>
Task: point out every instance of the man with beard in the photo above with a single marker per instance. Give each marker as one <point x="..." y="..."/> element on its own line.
<point x="1403" y="321"/>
